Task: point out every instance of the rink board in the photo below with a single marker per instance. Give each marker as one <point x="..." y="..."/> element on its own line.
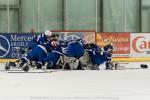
<point x="113" y="60"/>
<point x="128" y="47"/>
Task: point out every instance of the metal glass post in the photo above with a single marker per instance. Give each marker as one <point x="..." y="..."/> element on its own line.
<point x="8" y="16"/>
<point x="38" y="15"/>
<point x="96" y="16"/>
<point x="125" y="22"/>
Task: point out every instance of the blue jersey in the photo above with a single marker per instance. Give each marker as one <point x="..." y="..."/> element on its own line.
<point x="64" y="46"/>
<point x="44" y="43"/>
<point x="41" y="39"/>
<point x="37" y="54"/>
<point x="53" y="56"/>
<point x="75" y="49"/>
<point x="72" y="48"/>
<point x="69" y="48"/>
<point x="98" y="56"/>
<point x="40" y="50"/>
<point x="34" y="42"/>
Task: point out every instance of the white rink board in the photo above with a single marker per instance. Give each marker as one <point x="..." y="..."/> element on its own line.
<point x="140" y="45"/>
<point x="77" y="85"/>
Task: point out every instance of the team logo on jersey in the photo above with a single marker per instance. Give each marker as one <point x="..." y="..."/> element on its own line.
<point x="4" y="46"/>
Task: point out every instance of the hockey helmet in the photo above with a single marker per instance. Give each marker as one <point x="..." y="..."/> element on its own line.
<point x="48" y="33"/>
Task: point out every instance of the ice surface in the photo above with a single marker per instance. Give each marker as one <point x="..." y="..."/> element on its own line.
<point x="130" y="84"/>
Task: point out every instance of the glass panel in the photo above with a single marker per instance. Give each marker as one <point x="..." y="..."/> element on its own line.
<point x="50" y="15"/>
<point x="145" y="15"/>
<point x="29" y="15"/>
<point x="80" y="14"/>
<point x="121" y="15"/>
<point x="3" y="21"/>
<point x="133" y="16"/>
<point x="113" y="16"/>
<point x="11" y="2"/>
<point x="13" y="21"/>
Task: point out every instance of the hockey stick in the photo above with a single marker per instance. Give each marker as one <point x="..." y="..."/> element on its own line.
<point x="37" y="71"/>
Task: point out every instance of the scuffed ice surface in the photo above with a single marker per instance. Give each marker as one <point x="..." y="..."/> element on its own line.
<point x="129" y="84"/>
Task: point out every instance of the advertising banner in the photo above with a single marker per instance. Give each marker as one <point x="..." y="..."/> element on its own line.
<point x="120" y="41"/>
<point x="140" y="45"/>
<point x="87" y="36"/>
<point x="9" y="42"/>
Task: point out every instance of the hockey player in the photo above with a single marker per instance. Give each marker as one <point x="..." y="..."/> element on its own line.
<point x="75" y="48"/>
<point x="108" y="50"/>
<point x="37" y="39"/>
<point x="39" y="52"/>
<point x="71" y="52"/>
<point x="100" y="58"/>
<point x="53" y="57"/>
<point x="74" y="52"/>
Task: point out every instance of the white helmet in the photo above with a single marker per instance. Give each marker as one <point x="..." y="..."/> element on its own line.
<point x="48" y="33"/>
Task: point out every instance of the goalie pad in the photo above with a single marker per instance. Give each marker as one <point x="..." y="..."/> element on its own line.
<point x="85" y="58"/>
<point x="85" y="61"/>
<point x="72" y="61"/>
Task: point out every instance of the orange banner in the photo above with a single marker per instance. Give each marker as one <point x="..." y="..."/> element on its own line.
<point x="120" y="41"/>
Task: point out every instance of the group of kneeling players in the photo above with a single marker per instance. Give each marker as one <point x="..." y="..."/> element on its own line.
<point x="50" y="53"/>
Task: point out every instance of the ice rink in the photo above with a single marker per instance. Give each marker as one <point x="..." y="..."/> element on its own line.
<point x="128" y="84"/>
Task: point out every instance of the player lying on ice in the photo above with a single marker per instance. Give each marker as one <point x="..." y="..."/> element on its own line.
<point x="100" y="57"/>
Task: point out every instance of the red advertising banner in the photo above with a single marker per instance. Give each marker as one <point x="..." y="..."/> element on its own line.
<point x="120" y="41"/>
